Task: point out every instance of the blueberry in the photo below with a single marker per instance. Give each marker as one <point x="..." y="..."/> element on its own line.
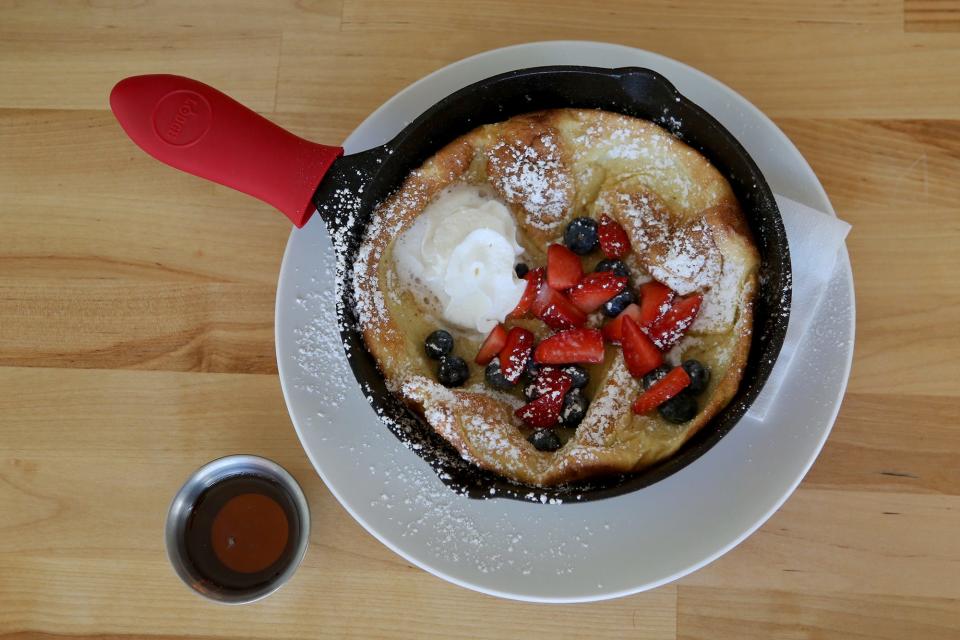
<point x="578" y="374"/>
<point x="581" y="235"/>
<point x="530" y="391"/>
<point x="574" y="408"/>
<point x="453" y="371"/>
<point x="699" y="376"/>
<point x="532" y="370"/>
<point x="680" y="408"/>
<point x="521" y="269"/>
<point x="654" y="376"/>
<point x="438" y="344"/>
<point x="495" y="377"/>
<point x="618" y="267"/>
<point x="615" y="305"/>
<point x="545" y="440"/>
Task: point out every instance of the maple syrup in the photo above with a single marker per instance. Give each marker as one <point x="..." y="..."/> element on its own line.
<point x="242" y="533"/>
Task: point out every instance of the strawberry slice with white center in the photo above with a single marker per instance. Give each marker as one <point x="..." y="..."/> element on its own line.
<point x="613" y="239"/>
<point x="595" y="289"/>
<point x="492" y="345"/>
<point x="545" y="410"/>
<point x="555" y="309"/>
<point x="639" y="353"/>
<point x="576" y="346"/>
<point x="534" y="279"/>
<point x="613" y="330"/>
<point x="655" y="299"/>
<point x="668" y="330"/>
<point x="515" y="353"/>
<point x="665" y="388"/>
<point x="563" y="267"/>
<point x="560" y="314"/>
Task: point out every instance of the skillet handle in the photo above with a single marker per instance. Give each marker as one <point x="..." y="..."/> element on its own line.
<point x="195" y="128"/>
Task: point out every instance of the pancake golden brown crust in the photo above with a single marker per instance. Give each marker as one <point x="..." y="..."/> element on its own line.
<point x="686" y="228"/>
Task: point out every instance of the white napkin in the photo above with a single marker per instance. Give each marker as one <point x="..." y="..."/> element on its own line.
<point x="815" y="239"/>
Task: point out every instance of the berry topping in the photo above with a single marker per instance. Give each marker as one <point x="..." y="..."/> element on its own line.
<point x="654" y="376"/>
<point x="639" y="353"/>
<point x="515" y="352"/>
<point x="581" y="235"/>
<point x="667" y="387"/>
<point x="549" y="379"/>
<point x="544" y="411"/>
<point x="699" y="375"/>
<point x="654" y="301"/>
<point x="563" y="267"/>
<point x="563" y="316"/>
<point x="556" y="310"/>
<point x="492" y="345"/>
<point x="532" y="370"/>
<point x="534" y="280"/>
<point x="544" y="440"/>
<point x="668" y="330"/>
<point x="577" y="374"/>
<point x="574" y="408"/>
<point x="613" y="239"/>
<point x="615" y="305"/>
<point x="521" y="269"/>
<point x="438" y="344"/>
<point x="453" y="371"/>
<point x="595" y="289"/>
<point x="530" y="391"/>
<point x="618" y="267"/>
<point x="680" y="408"/>
<point x="495" y="377"/>
<point x="613" y="330"/>
<point x="574" y="346"/>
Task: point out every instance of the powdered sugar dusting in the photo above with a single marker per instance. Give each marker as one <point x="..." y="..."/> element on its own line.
<point x="618" y="138"/>
<point x="320" y="347"/>
<point x="534" y="179"/>
<point x="610" y="405"/>
<point x="721" y="301"/>
<point x="684" y="257"/>
<point x="386" y="222"/>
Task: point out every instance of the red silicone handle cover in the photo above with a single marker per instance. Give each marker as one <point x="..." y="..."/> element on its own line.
<point x="197" y="129"/>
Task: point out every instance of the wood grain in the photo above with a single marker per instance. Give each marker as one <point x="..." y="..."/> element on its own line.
<point x="931" y="16"/>
<point x="136" y="315"/>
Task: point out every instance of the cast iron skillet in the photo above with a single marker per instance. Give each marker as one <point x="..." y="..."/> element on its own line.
<point x="193" y="127"/>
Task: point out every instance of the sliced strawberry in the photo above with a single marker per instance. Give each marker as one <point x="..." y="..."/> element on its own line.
<point x="560" y="314"/>
<point x="544" y="411"/>
<point x="654" y="301"/>
<point x="556" y="310"/>
<point x="552" y="380"/>
<point x="668" y="386"/>
<point x="515" y="353"/>
<point x="595" y="289"/>
<point x="534" y="278"/>
<point x="613" y="330"/>
<point x="574" y="346"/>
<point x="668" y="330"/>
<point x="563" y="267"/>
<point x="640" y="355"/>
<point x="544" y="296"/>
<point x="613" y="239"/>
<point x="492" y="345"/>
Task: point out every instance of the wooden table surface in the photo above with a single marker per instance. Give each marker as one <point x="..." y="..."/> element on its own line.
<point x="136" y="315"/>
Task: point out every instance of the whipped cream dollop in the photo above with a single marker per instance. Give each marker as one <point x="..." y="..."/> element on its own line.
<point x="458" y="258"/>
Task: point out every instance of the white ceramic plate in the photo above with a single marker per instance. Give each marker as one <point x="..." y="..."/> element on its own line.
<point x="569" y="552"/>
